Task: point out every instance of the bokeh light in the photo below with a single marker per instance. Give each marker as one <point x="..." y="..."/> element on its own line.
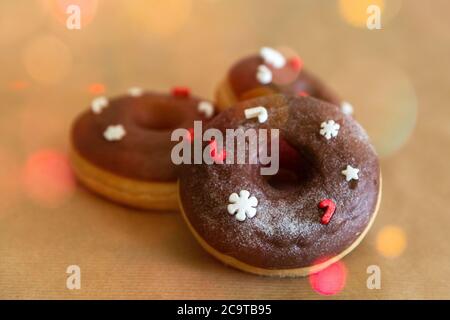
<point x="331" y="280"/>
<point x="47" y="59"/>
<point x="96" y="88"/>
<point x="47" y="178"/>
<point x="18" y="85"/>
<point x="391" y="241"/>
<point x="161" y="18"/>
<point x="58" y="9"/>
<point x="387" y="107"/>
<point x="354" y="12"/>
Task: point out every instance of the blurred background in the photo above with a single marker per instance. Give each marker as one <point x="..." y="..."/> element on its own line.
<point x="397" y="79"/>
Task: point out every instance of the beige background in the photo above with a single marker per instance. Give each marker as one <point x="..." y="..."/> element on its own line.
<point x="397" y="78"/>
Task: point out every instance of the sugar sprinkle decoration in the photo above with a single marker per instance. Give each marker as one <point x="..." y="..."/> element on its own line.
<point x="190" y="134"/>
<point x="296" y="63"/>
<point x="350" y="173"/>
<point x="243" y="205"/>
<point x="135" y="91"/>
<point x="218" y="157"/>
<point x="329" y="129"/>
<point x="181" y="92"/>
<point x="206" y="108"/>
<point x="303" y="94"/>
<point x="114" y="132"/>
<point x="330" y="208"/>
<point x="264" y="75"/>
<point x="98" y="104"/>
<point x="257" y="112"/>
<point x="272" y="57"/>
<point x="346" y="108"/>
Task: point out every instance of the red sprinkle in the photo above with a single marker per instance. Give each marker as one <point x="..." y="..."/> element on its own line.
<point x="181" y="92"/>
<point x="303" y="94"/>
<point x="190" y="134"/>
<point x="217" y="157"/>
<point x="330" y="208"/>
<point x="296" y="63"/>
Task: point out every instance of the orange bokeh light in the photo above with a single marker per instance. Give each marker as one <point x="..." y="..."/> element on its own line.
<point x="48" y="178"/>
<point x="47" y="59"/>
<point x="329" y="281"/>
<point x="354" y="12"/>
<point x="96" y="88"/>
<point x="18" y="85"/>
<point x="58" y="9"/>
<point x="391" y="241"/>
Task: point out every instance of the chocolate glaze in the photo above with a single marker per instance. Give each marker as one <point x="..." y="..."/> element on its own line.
<point x="242" y="79"/>
<point x="286" y="231"/>
<point x="144" y="152"/>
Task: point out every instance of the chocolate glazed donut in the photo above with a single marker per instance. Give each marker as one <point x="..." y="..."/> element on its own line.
<point x="273" y="72"/>
<point x="313" y="212"/>
<point x="121" y="147"/>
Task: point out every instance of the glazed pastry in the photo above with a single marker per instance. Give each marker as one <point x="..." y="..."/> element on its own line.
<point x="270" y="72"/>
<point x="121" y="148"/>
<point x="314" y="211"/>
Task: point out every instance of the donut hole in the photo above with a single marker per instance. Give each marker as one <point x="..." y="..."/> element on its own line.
<point x="296" y="168"/>
<point x="157" y="116"/>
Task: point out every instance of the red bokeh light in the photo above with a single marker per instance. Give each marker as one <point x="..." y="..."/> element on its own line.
<point x="48" y="178"/>
<point x="329" y="281"/>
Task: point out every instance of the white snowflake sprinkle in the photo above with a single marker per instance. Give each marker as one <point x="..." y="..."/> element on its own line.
<point x="206" y="108"/>
<point x="272" y="57"/>
<point x="350" y="173"/>
<point x="135" y="91"/>
<point x="264" y="75"/>
<point x="243" y="205"/>
<point x="98" y="104"/>
<point x="329" y="129"/>
<point x="257" y="112"/>
<point x="346" y="108"/>
<point x="114" y="133"/>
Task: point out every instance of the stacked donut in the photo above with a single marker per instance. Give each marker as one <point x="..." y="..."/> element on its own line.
<point x="312" y="212"/>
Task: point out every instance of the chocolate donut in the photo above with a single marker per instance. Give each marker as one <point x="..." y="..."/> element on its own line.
<point x="271" y="72"/>
<point x="120" y="148"/>
<point x="315" y="210"/>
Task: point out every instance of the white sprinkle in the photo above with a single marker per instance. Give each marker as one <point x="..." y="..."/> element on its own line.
<point x="264" y="75"/>
<point x="206" y="108"/>
<point x="350" y="173"/>
<point x="98" y="104"/>
<point x="272" y="57"/>
<point x="257" y="112"/>
<point x="114" y="132"/>
<point x="243" y="205"/>
<point x="346" y="108"/>
<point x="329" y="129"/>
<point x="135" y="91"/>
